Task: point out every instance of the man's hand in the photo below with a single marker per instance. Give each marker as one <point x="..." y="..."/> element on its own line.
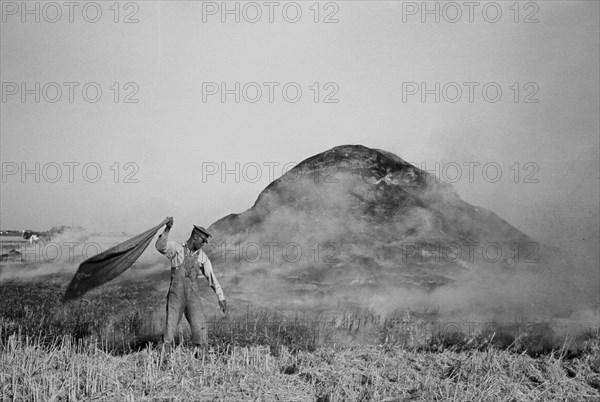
<point x="169" y="224"/>
<point x="223" y="305"/>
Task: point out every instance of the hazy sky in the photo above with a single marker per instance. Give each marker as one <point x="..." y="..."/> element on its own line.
<point x="368" y="61"/>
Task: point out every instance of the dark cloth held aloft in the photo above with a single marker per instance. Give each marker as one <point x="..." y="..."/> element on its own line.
<point x="103" y="267"/>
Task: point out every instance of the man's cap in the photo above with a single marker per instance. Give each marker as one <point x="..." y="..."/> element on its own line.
<point x="203" y="232"/>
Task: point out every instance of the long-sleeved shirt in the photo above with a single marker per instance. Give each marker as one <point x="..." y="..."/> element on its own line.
<point x="176" y="253"/>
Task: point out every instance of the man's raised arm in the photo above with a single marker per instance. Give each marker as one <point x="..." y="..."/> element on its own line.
<point x="163" y="245"/>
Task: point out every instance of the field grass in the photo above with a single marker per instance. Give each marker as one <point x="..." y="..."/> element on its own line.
<point x="107" y="346"/>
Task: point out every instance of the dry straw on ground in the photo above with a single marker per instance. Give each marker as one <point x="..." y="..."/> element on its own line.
<point x="106" y="348"/>
<point x="79" y="370"/>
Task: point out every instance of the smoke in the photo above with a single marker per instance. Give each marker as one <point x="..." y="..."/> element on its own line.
<point x="394" y="241"/>
<point x="378" y="235"/>
<point x="59" y="254"/>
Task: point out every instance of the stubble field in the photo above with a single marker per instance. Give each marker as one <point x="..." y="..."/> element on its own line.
<point x="106" y="346"/>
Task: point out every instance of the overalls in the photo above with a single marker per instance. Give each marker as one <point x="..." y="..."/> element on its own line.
<point x="184" y="297"/>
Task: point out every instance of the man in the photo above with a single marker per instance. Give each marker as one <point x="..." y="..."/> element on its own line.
<point x="187" y="261"/>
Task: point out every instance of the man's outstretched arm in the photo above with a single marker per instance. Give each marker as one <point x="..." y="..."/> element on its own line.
<point x="163" y="245"/>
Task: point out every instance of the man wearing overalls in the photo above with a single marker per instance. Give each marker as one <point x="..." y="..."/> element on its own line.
<point x="187" y="262"/>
